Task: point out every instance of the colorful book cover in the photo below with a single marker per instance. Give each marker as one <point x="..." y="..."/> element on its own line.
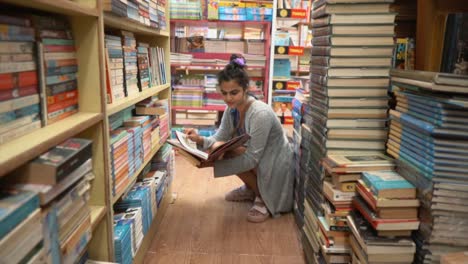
<point x="384" y="180"/>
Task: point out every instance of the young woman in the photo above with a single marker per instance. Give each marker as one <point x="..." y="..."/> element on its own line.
<point x="265" y="163"/>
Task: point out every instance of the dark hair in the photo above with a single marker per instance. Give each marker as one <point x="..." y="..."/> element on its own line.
<point x="235" y="70"/>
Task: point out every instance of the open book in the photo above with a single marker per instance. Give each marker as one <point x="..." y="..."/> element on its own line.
<point x="196" y="156"/>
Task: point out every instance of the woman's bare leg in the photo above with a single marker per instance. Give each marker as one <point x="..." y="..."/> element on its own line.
<point x="250" y="180"/>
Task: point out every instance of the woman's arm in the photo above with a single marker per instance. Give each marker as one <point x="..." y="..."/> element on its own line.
<point x="260" y="126"/>
<point x="224" y="132"/>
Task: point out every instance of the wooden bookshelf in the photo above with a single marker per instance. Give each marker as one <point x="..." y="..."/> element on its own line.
<point x="131" y="100"/>
<point x="88" y="23"/>
<point x="20" y="150"/>
<point x="154" y="228"/>
<point x="97" y="214"/>
<point x="65" y="7"/>
<point x="113" y="21"/>
<point x="430" y="30"/>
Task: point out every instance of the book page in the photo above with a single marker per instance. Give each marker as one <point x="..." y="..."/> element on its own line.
<point x="187" y="145"/>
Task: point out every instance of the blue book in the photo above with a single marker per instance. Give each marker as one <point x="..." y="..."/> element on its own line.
<point x="15" y="206"/>
<point x="389" y="184"/>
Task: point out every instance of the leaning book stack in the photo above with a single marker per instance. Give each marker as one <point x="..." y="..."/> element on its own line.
<point x="19" y="86"/>
<point x="429" y="138"/>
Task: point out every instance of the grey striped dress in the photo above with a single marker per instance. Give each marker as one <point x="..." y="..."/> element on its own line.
<point x="268" y="150"/>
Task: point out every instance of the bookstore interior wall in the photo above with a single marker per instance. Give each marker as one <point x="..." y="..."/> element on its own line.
<point x="85" y="101"/>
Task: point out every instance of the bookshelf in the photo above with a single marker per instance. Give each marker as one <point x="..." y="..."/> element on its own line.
<point x="290" y="54"/>
<point x="221" y="38"/>
<point x="89" y="23"/>
<point x="430" y="30"/>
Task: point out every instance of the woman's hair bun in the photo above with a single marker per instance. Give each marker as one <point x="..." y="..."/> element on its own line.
<point x="238" y="60"/>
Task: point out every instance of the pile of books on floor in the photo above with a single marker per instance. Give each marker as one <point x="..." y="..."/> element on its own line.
<point x="387" y="203"/>
<point x="429" y="138"/>
<point x="347" y="112"/>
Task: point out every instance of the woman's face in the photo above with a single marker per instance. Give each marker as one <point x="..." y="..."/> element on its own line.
<point x="233" y="94"/>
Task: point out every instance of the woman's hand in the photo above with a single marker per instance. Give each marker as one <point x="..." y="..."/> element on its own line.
<point x="206" y="164"/>
<point x="193" y="135"/>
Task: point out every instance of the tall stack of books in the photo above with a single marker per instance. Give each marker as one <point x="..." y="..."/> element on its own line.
<point x="153" y="14"/>
<point x="130" y="63"/>
<point x="59" y="74"/>
<point x="428" y="137"/>
<point x="115" y="68"/>
<point x="350" y="64"/>
<point x="19" y="93"/>
<point x="117" y="7"/>
<point x="143" y="66"/>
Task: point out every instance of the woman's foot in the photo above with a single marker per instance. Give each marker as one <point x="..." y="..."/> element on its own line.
<point x="240" y="194"/>
<point x="258" y="213"/>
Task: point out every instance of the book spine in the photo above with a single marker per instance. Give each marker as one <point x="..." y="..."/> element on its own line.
<point x="16" y="58"/>
<point x="52" y="90"/>
<point x="15" y="93"/>
<point x="20" y="131"/>
<point x="18" y="103"/>
<point x="17" y="123"/>
<point x="17" y="79"/>
<point x="320" y="22"/>
<point x="16" y="47"/>
<point x="17" y="67"/>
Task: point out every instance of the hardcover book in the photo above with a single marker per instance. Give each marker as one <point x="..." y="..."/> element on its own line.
<point x="196" y="156"/>
<point x="57" y="163"/>
<point x="389" y="184"/>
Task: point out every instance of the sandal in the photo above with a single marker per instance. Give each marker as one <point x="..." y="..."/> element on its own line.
<point x="258" y="213"/>
<point x="240" y="194"/>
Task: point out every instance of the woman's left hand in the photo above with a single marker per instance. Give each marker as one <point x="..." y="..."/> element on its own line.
<point x="206" y="164"/>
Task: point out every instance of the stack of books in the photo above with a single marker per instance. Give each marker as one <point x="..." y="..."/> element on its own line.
<point x="140" y="197"/>
<point x="19" y="93"/>
<point x="196" y="117"/>
<point x="191" y="96"/>
<point x="143" y="66"/>
<point x="130" y="63"/>
<point x="151" y="13"/>
<point x="120" y="157"/>
<point x="123" y="243"/>
<point x="57" y="53"/>
<point x="184" y="9"/>
<point x="63" y="192"/>
<point x="137" y="125"/>
<point x="428" y="137"/>
<point x="386" y="214"/>
<point x="114" y="68"/>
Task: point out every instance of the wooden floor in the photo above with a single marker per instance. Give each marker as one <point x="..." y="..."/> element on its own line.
<point x="201" y="227"/>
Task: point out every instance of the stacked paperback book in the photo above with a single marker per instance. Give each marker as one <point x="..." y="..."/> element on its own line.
<point x="428" y="137"/>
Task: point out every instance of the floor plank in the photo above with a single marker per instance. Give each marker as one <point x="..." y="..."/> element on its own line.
<point x="201" y="227"/>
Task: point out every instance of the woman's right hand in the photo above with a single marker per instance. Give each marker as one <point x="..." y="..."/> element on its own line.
<point x="193" y="135"/>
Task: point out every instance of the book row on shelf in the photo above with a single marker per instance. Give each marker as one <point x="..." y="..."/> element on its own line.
<point x="150" y="13"/>
<point x="83" y="179"/>
<point x="377" y="184"/>
<point x="222" y="10"/>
